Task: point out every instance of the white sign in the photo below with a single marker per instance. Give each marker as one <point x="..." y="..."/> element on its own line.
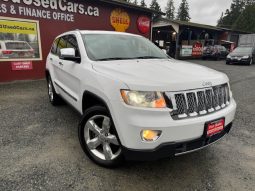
<point x="186" y="50"/>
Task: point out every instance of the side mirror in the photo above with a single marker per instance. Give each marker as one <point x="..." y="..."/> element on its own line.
<point x="164" y="50"/>
<point x="69" y="54"/>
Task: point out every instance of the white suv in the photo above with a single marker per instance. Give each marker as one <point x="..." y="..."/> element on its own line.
<point x="136" y="102"/>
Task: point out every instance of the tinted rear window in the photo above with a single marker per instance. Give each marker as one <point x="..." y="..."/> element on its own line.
<point x="17" y="45"/>
<point x="243" y="50"/>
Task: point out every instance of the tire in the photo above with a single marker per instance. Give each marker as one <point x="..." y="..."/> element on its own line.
<point x="99" y="139"/>
<point x="251" y="62"/>
<point x="53" y="96"/>
<point x="228" y="63"/>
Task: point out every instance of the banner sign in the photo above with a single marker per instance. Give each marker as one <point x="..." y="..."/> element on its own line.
<point x="19" y="40"/>
<point x="25" y="65"/>
<point x="120" y="20"/>
<point x="197" y="49"/>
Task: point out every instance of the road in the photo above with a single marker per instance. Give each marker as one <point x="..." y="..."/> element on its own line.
<point x="39" y="148"/>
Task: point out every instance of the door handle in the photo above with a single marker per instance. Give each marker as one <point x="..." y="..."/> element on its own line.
<point x="60" y="63"/>
<point x="51" y="59"/>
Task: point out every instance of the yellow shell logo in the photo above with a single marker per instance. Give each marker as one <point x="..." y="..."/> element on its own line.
<point x="120" y="20"/>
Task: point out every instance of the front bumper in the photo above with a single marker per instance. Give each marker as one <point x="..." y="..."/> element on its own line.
<point x="173" y="149"/>
<point x="238" y="61"/>
<point x="208" y="55"/>
<point x="130" y="121"/>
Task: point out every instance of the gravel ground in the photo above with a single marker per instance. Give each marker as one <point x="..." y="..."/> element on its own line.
<point x="39" y="148"/>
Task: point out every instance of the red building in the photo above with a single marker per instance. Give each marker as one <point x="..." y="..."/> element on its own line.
<point x="28" y="28"/>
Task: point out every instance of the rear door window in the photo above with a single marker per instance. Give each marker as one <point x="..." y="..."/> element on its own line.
<point x="17" y="46"/>
<point x="61" y="44"/>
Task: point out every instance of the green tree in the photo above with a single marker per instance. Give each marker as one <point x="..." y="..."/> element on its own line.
<point x="220" y="21"/>
<point x="232" y="14"/>
<point x="170" y="9"/>
<point x="249" y="2"/>
<point x="143" y="4"/>
<point x="128" y="1"/>
<point x="154" y="5"/>
<point x="246" y="21"/>
<point x="135" y="2"/>
<point x="183" y="11"/>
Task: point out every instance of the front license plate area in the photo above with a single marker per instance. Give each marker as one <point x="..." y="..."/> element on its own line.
<point x="215" y="127"/>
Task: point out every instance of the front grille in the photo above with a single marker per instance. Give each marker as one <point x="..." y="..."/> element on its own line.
<point x="199" y="102"/>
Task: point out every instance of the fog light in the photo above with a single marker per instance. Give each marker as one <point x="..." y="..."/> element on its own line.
<point x="150" y="135"/>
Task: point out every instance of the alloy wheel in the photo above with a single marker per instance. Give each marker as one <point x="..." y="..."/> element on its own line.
<point x="101" y="139"/>
<point x="50" y="91"/>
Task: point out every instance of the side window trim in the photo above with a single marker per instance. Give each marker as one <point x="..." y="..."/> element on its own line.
<point x="55" y="51"/>
<point x="58" y="51"/>
<point x="77" y="48"/>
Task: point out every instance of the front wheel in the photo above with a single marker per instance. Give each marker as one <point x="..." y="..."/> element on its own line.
<point x="98" y="137"/>
<point x="251" y="62"/>
<point x="53" y="96"/>
<point x="217" y="58"/>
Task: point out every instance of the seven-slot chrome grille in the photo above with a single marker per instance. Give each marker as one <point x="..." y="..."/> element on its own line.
<point x="194" y="103"/>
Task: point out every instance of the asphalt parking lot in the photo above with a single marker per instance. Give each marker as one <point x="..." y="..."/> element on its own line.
<point x="39" y="147"/>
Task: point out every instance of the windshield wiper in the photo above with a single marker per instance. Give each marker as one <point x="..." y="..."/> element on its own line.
<point x="115" y="58"/>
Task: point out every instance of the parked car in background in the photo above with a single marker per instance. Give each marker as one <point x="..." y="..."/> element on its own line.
<point x="10" y="49"/>
<point x="215" y="52"/>
<point x="242" y="55"/>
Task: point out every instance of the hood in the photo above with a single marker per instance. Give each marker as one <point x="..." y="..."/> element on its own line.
<point x="233" y="54"/>
<point x="160" y="75"/>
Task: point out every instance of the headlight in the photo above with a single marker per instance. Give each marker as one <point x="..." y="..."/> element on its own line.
<point x="245" y="57"/>
<point x="228" y="56"/>
<point x="143" y="99"/>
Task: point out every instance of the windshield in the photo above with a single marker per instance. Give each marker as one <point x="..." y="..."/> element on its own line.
<point x="120" y="47"/>
<point x="243" y="50"/>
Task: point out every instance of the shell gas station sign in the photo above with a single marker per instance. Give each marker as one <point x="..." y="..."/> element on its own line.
<point x="120" y="20"/>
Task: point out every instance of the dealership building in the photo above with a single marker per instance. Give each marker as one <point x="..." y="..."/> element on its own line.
<point x="187" y="39"/>
<point x="28" y="28"/>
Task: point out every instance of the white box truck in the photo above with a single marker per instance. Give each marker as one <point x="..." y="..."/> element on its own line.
<point x="247" y="40"/>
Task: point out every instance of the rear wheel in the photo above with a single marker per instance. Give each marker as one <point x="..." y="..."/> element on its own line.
<point x="53" y="96"/>
<point x="98" y="137"/>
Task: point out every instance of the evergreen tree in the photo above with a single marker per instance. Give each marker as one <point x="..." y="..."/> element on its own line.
<point x="154" y="5"/>
<point x="220" y="21"/>
<point x="183" y="11"/>
<point x="246" y="21"/>
<point x="232" y="14"/>
<point x="170" y="9"/>
<point x="135" y="2"/>
<point x="143" y="4"/>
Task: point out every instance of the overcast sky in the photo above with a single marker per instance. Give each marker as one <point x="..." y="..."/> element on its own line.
<point x="201" y="11"/>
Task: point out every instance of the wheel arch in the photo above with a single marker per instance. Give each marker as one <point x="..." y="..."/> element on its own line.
<point x="90" y="99"/>
<point x="47" y="74"/>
